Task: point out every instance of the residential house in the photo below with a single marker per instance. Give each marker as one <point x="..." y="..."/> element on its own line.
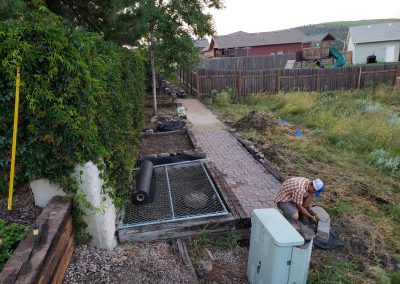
<point x="202" y="46"/>
<point x="381" y="40"/>
<point x="254" y="44"/>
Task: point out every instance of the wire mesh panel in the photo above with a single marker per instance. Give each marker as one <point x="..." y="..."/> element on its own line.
<point x="192" y="193"/>
<point x="182" y="191"/>
<point x="156" y="211"/>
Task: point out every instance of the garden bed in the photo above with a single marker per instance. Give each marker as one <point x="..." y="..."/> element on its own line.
<point x="165" y="142"/>
<point x="43" y="258"/>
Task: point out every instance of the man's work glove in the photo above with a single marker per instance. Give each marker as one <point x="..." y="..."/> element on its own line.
<point x="314" y="219"/>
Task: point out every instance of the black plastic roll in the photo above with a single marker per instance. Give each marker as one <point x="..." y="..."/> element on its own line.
<point x="143" y="183"/>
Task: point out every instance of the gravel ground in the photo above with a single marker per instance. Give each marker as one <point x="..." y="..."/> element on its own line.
<point x="153" y="262"/>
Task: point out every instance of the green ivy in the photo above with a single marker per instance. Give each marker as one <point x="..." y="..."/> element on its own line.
<point x="10" y="235"/>
<point x="81" y="100"/>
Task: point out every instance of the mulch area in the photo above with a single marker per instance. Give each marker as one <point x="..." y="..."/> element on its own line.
<point x="23" y="210"/>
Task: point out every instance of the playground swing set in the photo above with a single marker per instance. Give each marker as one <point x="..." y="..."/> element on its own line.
<point x="340" y="59"/>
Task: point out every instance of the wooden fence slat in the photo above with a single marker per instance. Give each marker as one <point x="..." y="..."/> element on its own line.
<point x="359" y="78"/>
<point x="197" y="83"/>
<point x="272" y="81"/>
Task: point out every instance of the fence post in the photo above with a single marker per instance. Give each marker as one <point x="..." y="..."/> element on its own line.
<point x="278" y="81"/>
<point x="197" y="83"/>
<point x="191" y="82"/>
<point x="359" y="78"/>
<point x="318" y="81"/>
<point x="239" y="83"/>
<point x="396" y="71"/>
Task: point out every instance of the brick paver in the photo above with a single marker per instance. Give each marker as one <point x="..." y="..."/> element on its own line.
<point x="252" y="184"/>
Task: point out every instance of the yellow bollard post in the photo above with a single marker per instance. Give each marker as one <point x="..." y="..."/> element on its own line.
<point x="14" y="141"/>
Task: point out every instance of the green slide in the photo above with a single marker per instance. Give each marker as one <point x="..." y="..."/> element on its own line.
<point x="340" y="59"/>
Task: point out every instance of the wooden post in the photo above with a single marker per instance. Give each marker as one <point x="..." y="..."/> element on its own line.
<point x="359" y="78"/>
<point x="278" y="81"/>
<point x="191" y="82"/>
<point x="318" y="81"/>
<point x="396" y="71"/>
<point x="197" y="83"/>
<point x="239" y="83"/>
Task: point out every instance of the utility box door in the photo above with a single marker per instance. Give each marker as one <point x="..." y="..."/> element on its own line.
<point x="272" y="244"/>
<point x="301" y="256"/>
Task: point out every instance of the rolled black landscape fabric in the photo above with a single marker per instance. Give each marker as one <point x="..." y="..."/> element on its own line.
<point x="173" y="159"/>
<point x="143" y="183"/>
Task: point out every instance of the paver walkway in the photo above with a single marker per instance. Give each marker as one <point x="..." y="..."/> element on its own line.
<point x="252" y="184"/>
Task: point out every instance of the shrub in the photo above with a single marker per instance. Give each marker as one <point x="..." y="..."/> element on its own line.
<point x="81" y="100"/>
<point x="10" y="235"/>
<point x="223" y="99"/>
<point x="383" y="160"/>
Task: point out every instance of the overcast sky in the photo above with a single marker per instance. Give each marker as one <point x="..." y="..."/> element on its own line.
<point x="269" y="15"/>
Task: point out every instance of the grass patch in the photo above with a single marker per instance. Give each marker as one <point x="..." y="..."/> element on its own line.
<point x="203" y="241"/>
<point x="351" y="142"/>
<point x="344" y="272"/>
<point x="341" y="209"/>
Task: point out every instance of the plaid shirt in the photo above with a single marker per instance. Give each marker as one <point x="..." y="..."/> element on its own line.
<point x="293" y="190"/>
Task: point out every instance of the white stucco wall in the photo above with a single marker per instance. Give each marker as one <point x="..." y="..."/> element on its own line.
<point x="362" y="50"/>
<point x="101" y="222"/>
<point x="43" y="191"/>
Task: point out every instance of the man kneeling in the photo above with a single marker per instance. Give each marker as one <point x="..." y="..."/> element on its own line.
<point x="295" y="197"/>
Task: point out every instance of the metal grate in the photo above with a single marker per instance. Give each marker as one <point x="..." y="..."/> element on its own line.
<point x="182" y="191"/>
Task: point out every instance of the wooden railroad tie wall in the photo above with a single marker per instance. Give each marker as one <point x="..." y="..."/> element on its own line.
<point x="280" y="80"/>
<point x="44" y="258"/>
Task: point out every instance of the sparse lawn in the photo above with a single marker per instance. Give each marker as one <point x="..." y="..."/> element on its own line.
<point x="352" y="142"/>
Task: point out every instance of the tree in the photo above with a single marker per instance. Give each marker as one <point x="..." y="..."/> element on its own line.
<point x="11" y="9"/>
<point x="167" y="28"/>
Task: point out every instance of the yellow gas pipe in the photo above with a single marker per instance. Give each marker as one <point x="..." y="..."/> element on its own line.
<point x="14" y="141"/>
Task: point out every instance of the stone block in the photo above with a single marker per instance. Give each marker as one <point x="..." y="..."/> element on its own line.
<point x="323" y="231"/>
<point x="101" y="220"/>
<point x="163" y="155"/>
<point x="321" y="213"/>
<point x="261" y="155"/>
<point x="43" y="191"/>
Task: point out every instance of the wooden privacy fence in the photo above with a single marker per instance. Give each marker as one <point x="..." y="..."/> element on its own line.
<point x="274" y="81"/>
<point x="248" y="63"/>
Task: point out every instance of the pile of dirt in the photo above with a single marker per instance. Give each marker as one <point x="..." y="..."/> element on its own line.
<point x="277" y="154"/>
<point x="262" y="121"/>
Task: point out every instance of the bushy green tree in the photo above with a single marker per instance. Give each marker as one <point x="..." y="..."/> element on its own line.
<point x="167" y="28"/>
<point x="81" y="100"/>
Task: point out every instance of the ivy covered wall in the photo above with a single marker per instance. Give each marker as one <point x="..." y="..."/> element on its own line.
<point x="81" y="99"/>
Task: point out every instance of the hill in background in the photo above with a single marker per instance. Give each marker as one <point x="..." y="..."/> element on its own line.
<point x="340" y="29"/>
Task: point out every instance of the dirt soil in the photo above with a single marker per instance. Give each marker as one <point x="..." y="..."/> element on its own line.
<point x="227" y="266"/>
<point x="24" y="210"/>
<point x="262" y="121"/>
<point x="364" y="242"/>
<point x="166" y="112"/>
<point x="165" y="143"/>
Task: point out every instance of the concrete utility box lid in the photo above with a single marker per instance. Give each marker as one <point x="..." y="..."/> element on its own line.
<point x="280" y="231"/>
